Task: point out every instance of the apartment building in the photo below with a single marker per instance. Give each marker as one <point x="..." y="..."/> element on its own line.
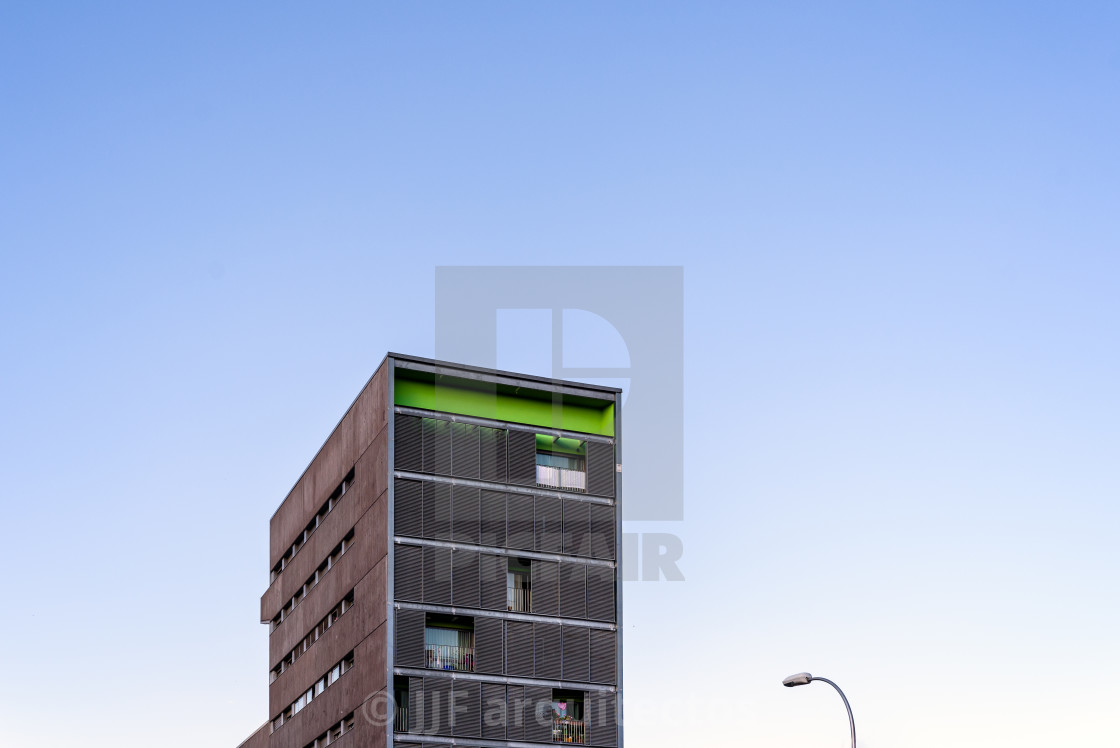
<point x="446" y="570"/>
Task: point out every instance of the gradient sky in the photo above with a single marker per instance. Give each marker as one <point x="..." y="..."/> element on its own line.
<point x="899" y="229"/>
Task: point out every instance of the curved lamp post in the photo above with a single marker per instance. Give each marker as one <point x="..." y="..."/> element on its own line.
<point x="801" y="679"/>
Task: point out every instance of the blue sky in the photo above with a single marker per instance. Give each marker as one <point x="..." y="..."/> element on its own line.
<point x="899" y="234"/>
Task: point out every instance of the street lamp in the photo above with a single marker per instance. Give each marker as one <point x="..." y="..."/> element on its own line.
<point x="801" y="679"/>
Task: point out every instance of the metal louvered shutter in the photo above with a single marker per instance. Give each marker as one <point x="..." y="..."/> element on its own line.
<point x="464" y="450"/>
<point x="415" y="704"/>
<point x="437" y="446"/>
<point x="602" y="531"/>
<point x="602" y="656"/>
<point x="546" y="647"/>
<point x="577" y="654"/>
<point x="538" y="714"/>
<point x="544" y="594"/>
<point x="519" y="648"/>
<point x="573" y="591"/>
<point x="408" y="508"/>
<point x="600" y="593"/>
<point x="602" y="719"/>
<point x="494" y="711"/>
<point x="515" y="712"/>
<point x="464" y="514"/>
<point x="464" y="579"/>
<point x="600" y="469"/>
<point x="437" y="511"/>
<point x="523" y="458"/>
<point x="467" y="711"/>
<point x="437" y="576"/>
<point x="492" y="581"/>
<point x="488" y="645"/>
<point x="520" y="521"/>
<point x="437" y="704"/>
<point x="548" y="531"/>
<point x="408" y="573"/>
<point x="492" y="510"/>
<point x="409" y="640"/>
<point x="577" y="528"/>
<point x="492" y="455"/>
<point x="408" y="443"/>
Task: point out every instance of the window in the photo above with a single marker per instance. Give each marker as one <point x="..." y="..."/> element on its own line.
<point x="334" y="733"/>
<point x="400" y="698"/>
<point x="568" y="725"/>
<point x="325" y="509"/>
<point x="518" y="585"/>
<point x="561" y="463"/>
<point x="286" y="610"/>
<point x="449" y="642"/>
<point x="316" y="690"/>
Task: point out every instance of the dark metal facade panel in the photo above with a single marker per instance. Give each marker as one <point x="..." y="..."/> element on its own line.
<point x="464" y="579"/>
<point x="437" y="510"/>
<point x="408" y="508"/>
<point x="522" y="458"/>
<point x="465" y="522"/>
<point x="437" y="576"/>
<point x="492" y="454"/>
<point x="601" y="718"/>
<point x="548" y="529"/>
<point x="519" y="508"/>
<point x="577" y="528"/>
<point x="492" y="511"/>
<point x="408" y="573"/>
<point x="494" y="711"/>
<point x="544" y="590"/>
<point x="408" y="443"/>
<point x="416" y="717"/>
<point x="600" y="593"/>
<point x="602" y="531"/>
<point x="519" y="648"/>
<point x="409" y="644"/>
<point x="600" y="469"/>
<point x="489" y="647"/>
<point x="437" y="446"/>
<point x="538" y="714"/>
<point x="577" y="654"/>
<point x="464" y="450"/>
<point x="492" y="581"/>
<point x="547" y="650"/>
<point x="573" y="590"/>
<point x="437" y="706"/>
<point x="467" y="709"/>
<point x="602" y="656"/>
<point x="515" y="713"/>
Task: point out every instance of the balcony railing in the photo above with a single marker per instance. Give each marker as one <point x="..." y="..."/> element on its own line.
<point x="562" y="478"/>
<point x="446" y="657"/>
<point x="400" y="724"/>
<point x="566" y="730"/>
<point x="518" y="600"/>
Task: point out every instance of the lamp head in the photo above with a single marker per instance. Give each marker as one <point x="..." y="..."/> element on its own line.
<point x="800" y="679"/>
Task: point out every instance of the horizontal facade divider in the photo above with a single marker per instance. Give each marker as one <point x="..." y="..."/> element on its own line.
<point x="494" y="376"/>
<point x="457" y="610"/>
<point x="405" y="410"/>
<point x="504" y="487"/>
<point x="404" y="738"/>
<point x="494" y="550"/>
<point x="509" y="680"/>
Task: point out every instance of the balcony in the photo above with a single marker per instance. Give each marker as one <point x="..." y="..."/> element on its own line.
<point x="447" y="657"/>
<point x="518" y="600"/>
<point x="400" y="724"/>
<point x="568" y="730"/>
<point x="561" y="478"/>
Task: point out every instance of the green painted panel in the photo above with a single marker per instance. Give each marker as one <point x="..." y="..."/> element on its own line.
<point x="501" y="406"/>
